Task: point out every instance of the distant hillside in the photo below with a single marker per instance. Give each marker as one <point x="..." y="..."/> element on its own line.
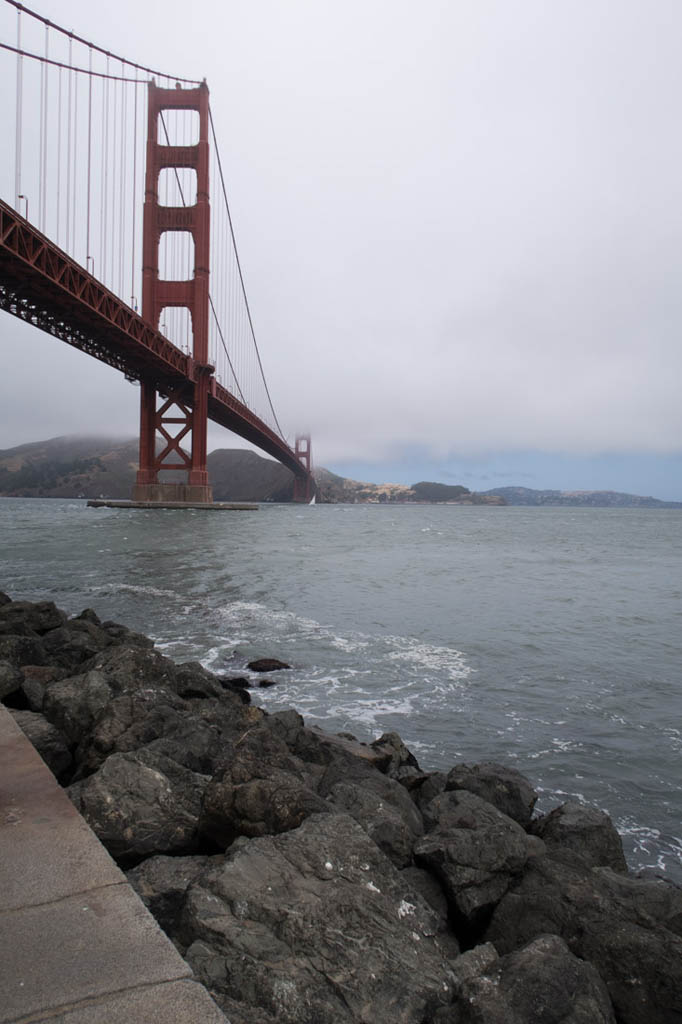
<point x="339" y="489"/>
<point x="69" y="467"/>
<point x="73" y="467"/>
<point x="579" y="499"/>
<point x="94" y="467"/>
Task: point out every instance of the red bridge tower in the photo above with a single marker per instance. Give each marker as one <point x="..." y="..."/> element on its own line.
<point x="185" y="410"/>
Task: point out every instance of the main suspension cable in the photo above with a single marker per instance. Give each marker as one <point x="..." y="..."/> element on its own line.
<point x="239" y="268"/>
<point x="107" y="53"/>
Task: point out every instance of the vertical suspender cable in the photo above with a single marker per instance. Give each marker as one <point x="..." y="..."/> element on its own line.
<point x="74" y="177"/>
<point x="43" y="195"/>
<point x="132" y="279"/>
<point x="87" y="227"/>
<point x="105" y="175"/>
<point x="114" y="169"/>
<point x="102" y="181"/>
<point x="59" y="152"/>
<point x="19" y="118"/>
<point x="68" y="149"/>
<point x="40" y="145"/>
<point x="123" y="199"/>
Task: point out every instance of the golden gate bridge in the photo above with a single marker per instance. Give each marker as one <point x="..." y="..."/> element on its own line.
<point x="114" y="243"/>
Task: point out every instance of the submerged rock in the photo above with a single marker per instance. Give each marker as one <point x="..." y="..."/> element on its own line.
<point x="267" y="665"/>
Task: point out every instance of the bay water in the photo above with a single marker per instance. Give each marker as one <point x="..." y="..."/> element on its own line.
<point x="547" y="639"/>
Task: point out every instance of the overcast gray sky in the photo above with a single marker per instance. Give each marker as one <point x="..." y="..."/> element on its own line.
<point x="459" y="223"/>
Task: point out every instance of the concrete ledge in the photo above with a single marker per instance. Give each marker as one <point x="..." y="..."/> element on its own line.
<point x="177" y="1002"/>
<point x="78" y="945"/>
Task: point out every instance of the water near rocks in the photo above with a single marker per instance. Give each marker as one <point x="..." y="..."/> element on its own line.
<point x="549" y="639"/>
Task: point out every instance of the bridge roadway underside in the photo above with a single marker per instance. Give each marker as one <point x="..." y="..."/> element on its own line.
<point x="43" y="286"/>
<point x="77" y="943"/>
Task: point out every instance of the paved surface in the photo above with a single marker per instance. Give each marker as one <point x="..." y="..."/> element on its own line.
<point x="78" y="946"/>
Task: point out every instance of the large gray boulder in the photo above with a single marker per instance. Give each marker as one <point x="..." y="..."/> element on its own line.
<point x="587" y="831"/>
<point x="36" y="679"/>
<point x="474" y="850"/>
<point x="544" y="983"/>
<point x="21" y="650"/>
<point x="314" y="926"/>
<point x="628" y="928"/>
<point x="161" y="883"/>
<point x="39" y="617"/>
<point x="47" y="739"/>
<point x="378" y="803"/>
<point x="140" y="804"/>
<point x="10" y="679"/>
<point x="73" y="704"/>
<point x="504" y="787"/>
<point x="260" y="789"/>
<point x="73" y="643"/>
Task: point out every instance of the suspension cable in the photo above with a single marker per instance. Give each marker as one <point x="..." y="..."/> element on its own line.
<point x="213" y="310"/>
<point x="107" y="53"/>
<point x="241" y="276"/>
<point x="19" y="118"/>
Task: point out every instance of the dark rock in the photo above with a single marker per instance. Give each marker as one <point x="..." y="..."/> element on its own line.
<point x="262" y="789"/>
<point x="21" y="650"/>
<point x="89" y="615"/>
<point x="73" y="704"/>
<point x="265" y="683"/>
<point x="122" y="635"/>
<point x="471" y="964"/>
<point x="140" y="804"/>
<point x="378" y="803"/>
<point x="431" y="786"/>
<point x="314" y="746"/>
<point x="627" y="928"/>
<point x="193" y="682"/>
<point x="314" y="927"/>
<point x="399" y="757"/>
<point x="585" y="830"/>
<point x="501" y="786"/>
<point x="431" y="891"/>
<point x="4" y="598"/>
<point x="37" y="618"/>
<point x="234" y="682"/>
<point x="267" y="665"/>
<point x="474" y="850"/>
<point x="129" y="668"/>
<point x="125" y="723"/>
<point x="47" y="739"/>
<point x="36" y="679"/>
<point x="74" y="643"/>
<point x="544" y="983"/>
<point x="10" y="679"/>
<point x="192" y="732"/>
<point x="161" y="883"/>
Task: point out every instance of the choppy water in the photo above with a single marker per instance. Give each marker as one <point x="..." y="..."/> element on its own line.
<point x="550" y="639"/>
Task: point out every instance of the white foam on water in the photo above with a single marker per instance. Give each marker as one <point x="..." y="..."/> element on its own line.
<point x="429" y="656"/>
<point x="131" y="588"/>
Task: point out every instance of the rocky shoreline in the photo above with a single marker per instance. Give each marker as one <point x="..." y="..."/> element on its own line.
<point x="311" y="879"/>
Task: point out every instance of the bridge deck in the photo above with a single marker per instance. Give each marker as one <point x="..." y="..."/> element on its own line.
<point x="78" y="945"/>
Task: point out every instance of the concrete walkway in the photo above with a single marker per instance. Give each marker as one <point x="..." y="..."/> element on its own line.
<point x="77" y="946"/>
